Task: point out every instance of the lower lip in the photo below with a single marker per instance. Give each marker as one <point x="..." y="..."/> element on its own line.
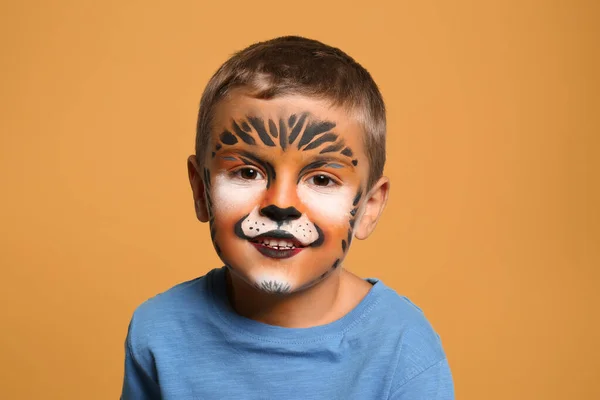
<point x="274" y="253"/>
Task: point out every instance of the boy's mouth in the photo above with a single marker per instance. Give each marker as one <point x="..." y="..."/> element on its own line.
<point x="277" y="244"/>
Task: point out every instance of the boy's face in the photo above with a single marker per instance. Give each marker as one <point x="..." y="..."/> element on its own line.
<point x="284" y="189"/>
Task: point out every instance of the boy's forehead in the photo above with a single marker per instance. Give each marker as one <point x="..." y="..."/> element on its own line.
<point x="240" y="107"/>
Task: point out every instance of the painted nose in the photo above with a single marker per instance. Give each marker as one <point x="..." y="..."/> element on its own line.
<point x="280" y="214"/>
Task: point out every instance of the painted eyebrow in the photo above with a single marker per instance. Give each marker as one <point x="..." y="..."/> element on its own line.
<point x="323" y="162"/>
<point x="331" y="162"/>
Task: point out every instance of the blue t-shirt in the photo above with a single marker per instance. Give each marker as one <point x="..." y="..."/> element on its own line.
<point x="189" y="343"/>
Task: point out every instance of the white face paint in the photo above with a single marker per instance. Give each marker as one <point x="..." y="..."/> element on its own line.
<point x="333" y="203"/>
<point x="232" y="193"/>
<point x="272" y="281"/>
<point x="302" y="228"/>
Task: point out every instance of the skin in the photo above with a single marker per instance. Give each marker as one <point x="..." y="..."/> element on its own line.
<point x="291" y="166"/>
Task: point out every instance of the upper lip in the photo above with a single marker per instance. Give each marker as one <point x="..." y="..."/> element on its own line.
<point x="278" y="234"/>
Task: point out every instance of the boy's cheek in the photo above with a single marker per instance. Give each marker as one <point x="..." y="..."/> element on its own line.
<point x="233" y="198"/>
<point x="327" y="208"/>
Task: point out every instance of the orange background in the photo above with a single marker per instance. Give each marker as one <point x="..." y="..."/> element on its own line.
<point x="492" y="228"/>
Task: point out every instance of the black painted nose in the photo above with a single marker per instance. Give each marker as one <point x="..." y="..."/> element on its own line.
<point x="280" y="214"/>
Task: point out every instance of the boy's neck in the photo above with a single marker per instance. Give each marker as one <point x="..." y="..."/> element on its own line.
<point x="321" y="304"/>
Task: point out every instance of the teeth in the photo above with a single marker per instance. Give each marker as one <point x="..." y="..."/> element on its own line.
<point x="278" y="244"/>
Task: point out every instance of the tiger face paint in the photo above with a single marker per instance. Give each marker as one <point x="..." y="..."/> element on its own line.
<point x="283" y="180"/>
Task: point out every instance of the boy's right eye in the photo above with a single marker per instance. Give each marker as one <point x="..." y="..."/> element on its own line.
<point x="249" y="174"/>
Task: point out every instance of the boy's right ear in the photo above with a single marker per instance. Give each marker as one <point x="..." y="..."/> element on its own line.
<point x="197" y="189"/>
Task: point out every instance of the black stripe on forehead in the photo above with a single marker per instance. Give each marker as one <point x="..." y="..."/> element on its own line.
<point x="272" y="128"/>
<point x="282" y="134"/>
<point x="328" y="137"/>
<point x="259" y="126"/>
<point x="332" y="148"/>
<point x="243" y="135"/>
<point x="228" y="138"/>
<point x="297" y="127"/>
<point x="314" y="129"/>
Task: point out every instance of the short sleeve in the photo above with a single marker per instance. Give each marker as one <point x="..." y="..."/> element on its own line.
<point x="139" y="381"/>
<point x="434" y="383"/>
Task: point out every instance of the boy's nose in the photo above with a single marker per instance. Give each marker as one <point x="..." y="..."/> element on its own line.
<point x="281" y="199"/>
<point x="279" y="214"/>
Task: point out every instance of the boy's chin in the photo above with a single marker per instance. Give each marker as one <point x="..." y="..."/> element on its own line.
<point x="279" y="279"/>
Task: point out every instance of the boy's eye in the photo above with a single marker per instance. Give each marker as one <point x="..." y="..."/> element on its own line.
<point x="249" y="173"/>
<point x="321" y="180"/>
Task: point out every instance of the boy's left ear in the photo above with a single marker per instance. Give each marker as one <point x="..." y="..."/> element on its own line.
<point x="372" y="208"/>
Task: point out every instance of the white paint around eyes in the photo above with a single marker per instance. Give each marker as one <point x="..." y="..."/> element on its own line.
<point x="231" y="193"/>
<point x="332" y="203"/>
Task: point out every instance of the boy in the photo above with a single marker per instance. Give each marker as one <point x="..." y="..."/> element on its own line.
<point x="290" y="150"/>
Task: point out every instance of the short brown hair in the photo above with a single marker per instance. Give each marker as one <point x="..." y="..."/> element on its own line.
<point x="296" y="65"/>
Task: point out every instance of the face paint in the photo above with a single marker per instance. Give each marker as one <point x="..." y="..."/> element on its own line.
<point x="334" y="203"/>
<point x="284" y="195"/>
<point x="232" y="193"/>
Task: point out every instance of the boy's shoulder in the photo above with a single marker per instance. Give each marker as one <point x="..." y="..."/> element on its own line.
<point x="170" y="309"/>
<point x="400" y="326"/>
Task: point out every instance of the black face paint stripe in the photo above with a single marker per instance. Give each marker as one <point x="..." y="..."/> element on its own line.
<point x="332" y="148"/>
<point x="259" y="126"/>
<point x="336" y="264"/>
<point x="292" y="120"/>
<point x="343" y="245"/>
<point x="282" y="134"/>
<point x="328" y="137"/>
<point x="218" y="146"/>
<point x="354" y="162"/>
<point x="243" y="135"/>
<point x="273" y="128"/>
<point x="297" y="128"/>
<point x="314" y="129"/>
<point x="246" y="127"/>
<point x="349" y="236"/>
<point x="353" y="211"/>
<point x="347" y="152"/>
<point x="357" y="198"/>
<point x="228" y="138"/>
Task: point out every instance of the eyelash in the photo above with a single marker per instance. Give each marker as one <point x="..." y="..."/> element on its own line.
<point x="237" y="173"/>
<point x="333" y="181"/>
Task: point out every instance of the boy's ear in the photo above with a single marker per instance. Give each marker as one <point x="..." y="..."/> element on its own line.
<point x="197" y="189"/>
<point x="372" y="208"/>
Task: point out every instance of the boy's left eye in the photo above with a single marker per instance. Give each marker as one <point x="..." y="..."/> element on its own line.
<point x="321" y="180"/>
